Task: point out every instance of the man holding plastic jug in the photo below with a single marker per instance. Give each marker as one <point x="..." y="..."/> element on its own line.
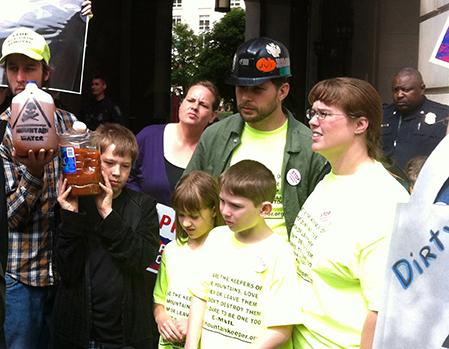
<point x="31" y="190"/>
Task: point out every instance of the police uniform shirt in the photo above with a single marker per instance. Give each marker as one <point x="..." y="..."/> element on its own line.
<point x="405" y="136"/>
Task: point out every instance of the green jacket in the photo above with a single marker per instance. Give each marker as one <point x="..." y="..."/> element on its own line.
<point x="214" y="151"/>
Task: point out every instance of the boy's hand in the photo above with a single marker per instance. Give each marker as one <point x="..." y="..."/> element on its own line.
<point x="195" y="322"/>
<point x="104" y="199"/>
<point x="66" y="201"/>
<point x="35" y="163"/>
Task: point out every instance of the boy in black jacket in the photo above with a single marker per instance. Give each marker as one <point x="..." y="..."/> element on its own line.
<point x="104" y="245"/>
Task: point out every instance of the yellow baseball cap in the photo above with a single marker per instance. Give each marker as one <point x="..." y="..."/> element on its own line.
<point x="27" y="42"/>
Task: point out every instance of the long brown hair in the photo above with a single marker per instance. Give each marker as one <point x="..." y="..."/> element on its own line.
<point x="196" y="191"/>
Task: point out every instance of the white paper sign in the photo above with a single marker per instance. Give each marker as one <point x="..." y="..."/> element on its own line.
<point x="415" y="313"/>
<point x="166" y="232"/>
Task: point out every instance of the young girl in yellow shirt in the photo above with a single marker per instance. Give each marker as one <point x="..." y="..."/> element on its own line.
<point x="197" y="207"/>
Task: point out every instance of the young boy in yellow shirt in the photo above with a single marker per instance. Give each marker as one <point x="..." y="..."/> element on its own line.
<point x="248" y="295"/>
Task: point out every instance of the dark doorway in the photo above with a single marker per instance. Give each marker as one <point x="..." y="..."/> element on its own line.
<point x="129" y="42"/>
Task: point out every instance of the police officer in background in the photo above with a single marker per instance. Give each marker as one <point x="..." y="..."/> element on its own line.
<point x="412" y="125"/>
<point x="264" y="131"/>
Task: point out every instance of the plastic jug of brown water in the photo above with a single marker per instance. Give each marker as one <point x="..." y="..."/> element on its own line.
<point x="33" y="120"/>
<point x="81" y="163"/>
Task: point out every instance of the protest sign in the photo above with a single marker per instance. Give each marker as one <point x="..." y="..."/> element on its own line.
<point x="166" y="232"/>
<point x="61" y="24"/>
<point x="415" y="311"/>
<point x="440" y="54"/>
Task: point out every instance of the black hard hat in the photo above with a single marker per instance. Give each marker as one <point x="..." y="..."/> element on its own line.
<point x="259" y="60"/>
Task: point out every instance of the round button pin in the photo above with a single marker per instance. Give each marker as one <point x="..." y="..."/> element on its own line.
<point x="293" y="177"/>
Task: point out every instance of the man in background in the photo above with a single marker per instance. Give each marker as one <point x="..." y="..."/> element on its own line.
<point x="412" y="125"/>
<point x="101" y="109"/>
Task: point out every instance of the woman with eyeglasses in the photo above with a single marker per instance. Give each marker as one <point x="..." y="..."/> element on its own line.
<point x="341" y="234"/>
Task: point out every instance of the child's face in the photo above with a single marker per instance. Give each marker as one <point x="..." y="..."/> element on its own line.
<point x="239" y="213"/>
<point x="198" y="224"/>
<point x="117" y="168"/>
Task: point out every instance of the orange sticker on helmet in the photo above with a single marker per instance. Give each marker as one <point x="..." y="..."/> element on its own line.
<point x="266" y="65"/>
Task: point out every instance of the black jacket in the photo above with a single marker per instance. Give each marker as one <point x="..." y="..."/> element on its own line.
<point x="100" y="112"/>
<point x="416" y="133"/>
<point x="130" y="234"/>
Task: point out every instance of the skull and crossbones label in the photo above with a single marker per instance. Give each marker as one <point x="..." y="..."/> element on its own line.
<point x="30" y="112"/>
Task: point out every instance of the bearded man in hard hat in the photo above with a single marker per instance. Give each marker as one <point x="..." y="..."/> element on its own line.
<point x="264" y="131"/>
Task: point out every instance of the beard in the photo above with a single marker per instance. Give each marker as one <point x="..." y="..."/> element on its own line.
<point x="257" y="114"/>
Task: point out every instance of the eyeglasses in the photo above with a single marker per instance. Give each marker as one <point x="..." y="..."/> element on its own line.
<point x="321" y="115"/>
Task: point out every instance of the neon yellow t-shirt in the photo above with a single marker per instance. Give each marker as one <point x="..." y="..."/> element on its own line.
<point x="248" y="288"/>
<point x="267" y="148"/>
<point x="340" y="239"/>
<point x="172" y="289"/>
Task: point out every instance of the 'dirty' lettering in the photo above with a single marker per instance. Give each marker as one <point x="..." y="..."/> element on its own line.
<point x="406" y="269"/>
